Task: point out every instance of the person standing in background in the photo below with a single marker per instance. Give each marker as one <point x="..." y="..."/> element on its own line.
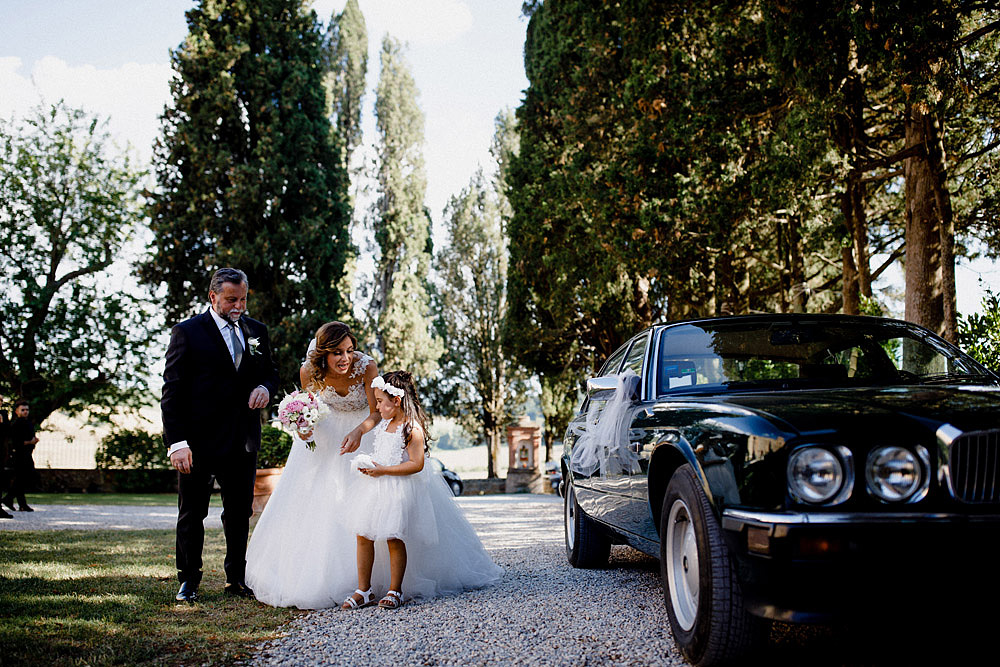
<point x="21" y="436"/>
<point x="4" y="444"/>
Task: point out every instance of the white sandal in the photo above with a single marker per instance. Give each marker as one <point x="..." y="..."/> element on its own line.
<point x="392" y="600"/>
<point x="366" y="600"/>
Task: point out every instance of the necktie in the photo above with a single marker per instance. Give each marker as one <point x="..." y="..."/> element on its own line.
<point x="237" y="345"/>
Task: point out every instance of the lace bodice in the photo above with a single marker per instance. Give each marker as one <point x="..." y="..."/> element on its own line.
<point x="356" y="398"/>
<point x="388" y="447"/>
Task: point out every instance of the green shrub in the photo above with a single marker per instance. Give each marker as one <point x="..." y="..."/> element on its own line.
<point x="135" y="450"/>
<point x="275" y="445"/>
<point x="979" y="333"/>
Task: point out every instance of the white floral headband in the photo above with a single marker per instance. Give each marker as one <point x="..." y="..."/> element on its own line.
<point x="379" y="383"/>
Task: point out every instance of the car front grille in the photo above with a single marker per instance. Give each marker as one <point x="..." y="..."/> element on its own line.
<point x="975" y="467"/>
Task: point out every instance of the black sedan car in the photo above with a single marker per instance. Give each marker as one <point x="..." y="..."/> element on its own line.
<point x="451" y="477"/>
<point x="799" y="468"/>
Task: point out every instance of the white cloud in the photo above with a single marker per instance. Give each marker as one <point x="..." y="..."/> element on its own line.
<point x="425" y="22"/>
<point x="132" y="96"/>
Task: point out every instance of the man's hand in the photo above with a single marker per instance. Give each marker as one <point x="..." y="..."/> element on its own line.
<point x="181" y="460"/>
<point x="351" y="442"/>
<point x="259" y="398"/>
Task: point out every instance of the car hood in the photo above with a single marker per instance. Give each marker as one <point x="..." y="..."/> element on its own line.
<point x="968" y="408"/>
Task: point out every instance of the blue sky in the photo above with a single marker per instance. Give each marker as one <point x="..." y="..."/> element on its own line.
<point x="112" y="57"/>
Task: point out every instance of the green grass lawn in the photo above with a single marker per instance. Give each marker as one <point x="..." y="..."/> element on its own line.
<point x="143" y="499"/>
<point x="106" y="598"/>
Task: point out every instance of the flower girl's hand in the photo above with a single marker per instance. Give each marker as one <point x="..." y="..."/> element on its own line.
<point x="375" y="471"/>
<point x="351" y="442"/>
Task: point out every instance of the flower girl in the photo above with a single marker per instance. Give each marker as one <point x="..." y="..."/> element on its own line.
<point x="432" y="549"/>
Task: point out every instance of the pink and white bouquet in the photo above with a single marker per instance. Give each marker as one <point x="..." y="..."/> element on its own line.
<point x="299" y="412"/>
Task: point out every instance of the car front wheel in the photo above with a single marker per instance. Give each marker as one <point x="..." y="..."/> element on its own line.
<point x="456" y="488"/>
<point x="587" y="546"/>
<point x="704" y="603"/>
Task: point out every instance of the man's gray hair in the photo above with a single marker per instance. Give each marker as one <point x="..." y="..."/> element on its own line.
<point x="234" y="276"/>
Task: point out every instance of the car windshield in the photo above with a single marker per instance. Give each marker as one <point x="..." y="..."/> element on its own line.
<point x="767" y="355"/>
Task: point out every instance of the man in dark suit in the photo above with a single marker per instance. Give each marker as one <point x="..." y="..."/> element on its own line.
<point x="218" y="375"/>
<point x="21" y="436"/>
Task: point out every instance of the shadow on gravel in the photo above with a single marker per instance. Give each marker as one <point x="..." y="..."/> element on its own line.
<point x="881" y="644"/>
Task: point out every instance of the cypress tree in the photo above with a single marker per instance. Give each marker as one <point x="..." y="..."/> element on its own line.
<point x="401" y="304"/>
<point x="249" y="173"/>
<point x="345" y="81"/>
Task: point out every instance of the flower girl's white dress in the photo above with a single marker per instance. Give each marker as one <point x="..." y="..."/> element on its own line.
<point x="443" y="552"/>
<point x="301" y="553"/>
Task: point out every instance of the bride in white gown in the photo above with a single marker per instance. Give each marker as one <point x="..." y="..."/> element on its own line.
<point x="302" y="552"/>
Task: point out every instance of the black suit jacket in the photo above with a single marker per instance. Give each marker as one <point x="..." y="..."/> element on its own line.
<point x="204" y="397"/>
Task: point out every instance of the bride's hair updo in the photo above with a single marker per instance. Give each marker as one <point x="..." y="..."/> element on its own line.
<point x="329" y="336"/>
<point x="410" y="405"/>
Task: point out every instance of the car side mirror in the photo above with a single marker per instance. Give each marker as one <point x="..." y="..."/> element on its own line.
<point x="603" y="383"/>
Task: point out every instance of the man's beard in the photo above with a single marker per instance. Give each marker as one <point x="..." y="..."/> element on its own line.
<point x="229" y="316"/>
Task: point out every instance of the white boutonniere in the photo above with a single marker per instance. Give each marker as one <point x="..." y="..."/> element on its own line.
<point x="252" y="343"/>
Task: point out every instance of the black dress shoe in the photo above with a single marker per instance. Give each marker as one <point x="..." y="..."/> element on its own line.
<point x="25" y="508"/>
<point x="5" y="515"/>
<point x="239" y="590"/>
<point x="187" y="593"/>
<point x="9" y="504"/>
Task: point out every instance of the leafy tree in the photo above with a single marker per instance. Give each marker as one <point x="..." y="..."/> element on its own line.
<point x="473" y="301"/>
<point x="705" y="158"/>
<point x="979" y="333"/>
<point x="250" y="174"/>
<point x="72" y="337"/>
<point x="914" y="119"/>
<point x="653" y="179"/>
<point x="401" y="302"/>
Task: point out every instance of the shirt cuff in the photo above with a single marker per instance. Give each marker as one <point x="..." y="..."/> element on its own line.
<point x="177" y="446"/>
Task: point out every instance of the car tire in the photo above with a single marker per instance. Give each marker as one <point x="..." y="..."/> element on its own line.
<point x="704" y="604"/>
<point x="456" y="488"/>
<point x="587" y="546"/>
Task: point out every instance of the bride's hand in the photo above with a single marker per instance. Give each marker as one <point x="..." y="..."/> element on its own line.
<point x="351" y="442"/>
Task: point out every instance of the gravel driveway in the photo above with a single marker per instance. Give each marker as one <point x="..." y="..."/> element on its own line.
<point x="543" y="612"/>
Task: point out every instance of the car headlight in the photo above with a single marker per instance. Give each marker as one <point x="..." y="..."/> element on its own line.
<point x="894" y="473"/>
<point x="817" y="475"/>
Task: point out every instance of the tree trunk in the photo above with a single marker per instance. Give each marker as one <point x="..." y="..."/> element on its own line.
<point x="798" y="289"/>
<point x="924" y="300"/>
<point x="491" y="471"/>
<point x="850" y="134"/>
<point x="934" y="134"/>
<point x="856" y="220"/>
<point x="851" y="300"/>
<point x="491" y="431"/>
<point x="725" y="285"/>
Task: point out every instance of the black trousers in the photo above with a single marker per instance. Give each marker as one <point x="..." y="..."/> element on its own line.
<point x="235" y="472"/>
<point x="19" y="479"/>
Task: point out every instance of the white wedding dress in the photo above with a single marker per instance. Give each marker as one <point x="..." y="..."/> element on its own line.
<point x="303" y="551"/>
